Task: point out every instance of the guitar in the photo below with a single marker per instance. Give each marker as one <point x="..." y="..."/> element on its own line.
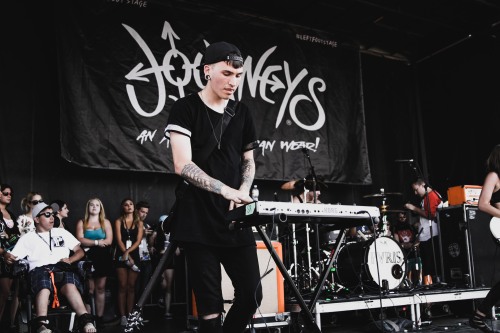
<point x="495" y="228"/>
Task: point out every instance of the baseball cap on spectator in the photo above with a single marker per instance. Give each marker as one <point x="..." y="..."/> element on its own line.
<point x="41" y="206"/>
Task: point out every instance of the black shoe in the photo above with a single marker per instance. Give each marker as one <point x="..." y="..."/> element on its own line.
<point x="477" y="321"/>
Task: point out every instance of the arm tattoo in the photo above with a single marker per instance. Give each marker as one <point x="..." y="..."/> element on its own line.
<point x="192" y="173"/>
<point x="247" y="172"/>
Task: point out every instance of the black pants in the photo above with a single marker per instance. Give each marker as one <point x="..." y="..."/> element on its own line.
<point x="491" y="299"/>
<point x="242" y="267"/>
<point x="427" y="255"/>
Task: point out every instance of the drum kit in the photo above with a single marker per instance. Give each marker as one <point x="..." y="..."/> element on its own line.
<point x="368" y="264"/>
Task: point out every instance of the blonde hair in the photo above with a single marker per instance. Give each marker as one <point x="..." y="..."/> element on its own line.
<point x="102" y="214"/>
<point x="27" y="199"/>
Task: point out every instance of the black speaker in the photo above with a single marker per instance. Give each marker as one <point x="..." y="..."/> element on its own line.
<point x="468" y="251"/>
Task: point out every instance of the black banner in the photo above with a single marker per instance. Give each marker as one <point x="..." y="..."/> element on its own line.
<point x="123" y="63"/>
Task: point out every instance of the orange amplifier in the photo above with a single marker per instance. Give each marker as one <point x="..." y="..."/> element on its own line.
<point x="464" y="194"/>
<point x="272" y="284"/>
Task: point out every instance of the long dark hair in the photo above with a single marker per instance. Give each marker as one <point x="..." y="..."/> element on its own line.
<point x="135" y="220"/>
<point x="493" y="161"/>
<point x="5" y="186"/>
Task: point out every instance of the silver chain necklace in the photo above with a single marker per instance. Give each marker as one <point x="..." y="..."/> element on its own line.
<point x="212" y="125"/>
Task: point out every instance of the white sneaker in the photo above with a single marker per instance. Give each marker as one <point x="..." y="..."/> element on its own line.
<point x="123" y="321"/>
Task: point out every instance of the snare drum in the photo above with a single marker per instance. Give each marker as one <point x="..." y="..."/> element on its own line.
<point x="357" y="264"/>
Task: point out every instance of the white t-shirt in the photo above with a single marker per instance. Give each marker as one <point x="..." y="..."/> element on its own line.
<point x="39" y="250"/>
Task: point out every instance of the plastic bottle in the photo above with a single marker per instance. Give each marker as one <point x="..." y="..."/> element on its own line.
<point x="129" y="264"/>
<point x="255" y="193"/>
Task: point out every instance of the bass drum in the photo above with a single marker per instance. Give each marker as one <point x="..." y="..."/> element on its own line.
<point x="357" y="264"/>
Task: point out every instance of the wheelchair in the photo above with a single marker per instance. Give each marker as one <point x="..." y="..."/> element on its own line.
<point x="61" y="318"/>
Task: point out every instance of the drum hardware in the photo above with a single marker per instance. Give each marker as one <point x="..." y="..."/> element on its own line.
<point x="308" y="251"/>
<point x="301" y="184"/>
<point x="330" y="266"/>
<point x="382" y="194"/>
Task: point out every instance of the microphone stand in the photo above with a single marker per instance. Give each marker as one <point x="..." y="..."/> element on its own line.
<point x="416" y="255"/>
<point x="316" y="227"/>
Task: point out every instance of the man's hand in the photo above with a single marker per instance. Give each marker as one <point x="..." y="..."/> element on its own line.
<point x="410" y="206"/>
<point x="9" y="258"/>
<point x="236" y="196"/>
<point x="66" y="260"/>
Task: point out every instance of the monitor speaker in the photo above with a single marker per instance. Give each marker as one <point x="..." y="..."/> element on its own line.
<point x="468" y="251"/>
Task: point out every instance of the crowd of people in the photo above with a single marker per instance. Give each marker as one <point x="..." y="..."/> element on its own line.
<point x="123" y="250"/>
<point x="219" y="172"/>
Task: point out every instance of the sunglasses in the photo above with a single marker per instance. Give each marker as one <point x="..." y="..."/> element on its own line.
<point x="36" y="202"/>
<point x="47" y="214"/>
<point x="7" y="193"/>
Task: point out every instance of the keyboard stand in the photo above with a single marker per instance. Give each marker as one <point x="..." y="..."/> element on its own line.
<point x="306" y="313"/>
<point x="331" y="259"/>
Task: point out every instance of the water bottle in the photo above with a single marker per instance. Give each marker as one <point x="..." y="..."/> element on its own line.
<point x="129" y="264"/>
<point x="255" y="193"/>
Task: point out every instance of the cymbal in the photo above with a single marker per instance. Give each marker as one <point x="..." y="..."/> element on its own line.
<point x="382" y="195"/>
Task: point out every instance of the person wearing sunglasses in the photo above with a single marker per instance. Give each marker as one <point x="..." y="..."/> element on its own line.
<point x="9" y="234"/>
<point x="52" y="249"/>
<point x="25" y="221"/>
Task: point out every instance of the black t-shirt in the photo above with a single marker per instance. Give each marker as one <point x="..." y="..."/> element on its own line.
<point x="201" y="214"/>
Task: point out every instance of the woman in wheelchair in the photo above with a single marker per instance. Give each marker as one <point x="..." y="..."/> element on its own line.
<point x="47" y="251"/>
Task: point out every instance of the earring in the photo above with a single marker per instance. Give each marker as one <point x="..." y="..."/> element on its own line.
<point x="207" y="77"/>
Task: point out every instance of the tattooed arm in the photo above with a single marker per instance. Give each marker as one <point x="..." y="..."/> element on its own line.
<point x="187" y="169"/>
<point x="247" y="171"/>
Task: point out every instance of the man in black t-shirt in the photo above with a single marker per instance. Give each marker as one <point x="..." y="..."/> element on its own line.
<point x="217" y="184"/>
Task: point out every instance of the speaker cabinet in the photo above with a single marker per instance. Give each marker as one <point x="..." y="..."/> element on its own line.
<point x="467" y="248"/>
<point x="273" y="300"/>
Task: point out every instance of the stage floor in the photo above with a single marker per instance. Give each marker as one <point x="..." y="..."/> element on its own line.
<point x="449" y="312"/>
<point x="351" y="323"/>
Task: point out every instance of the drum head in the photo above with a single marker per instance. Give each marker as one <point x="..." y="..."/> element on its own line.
<point x="357" y="264"/>
<point x="386" y="254"/>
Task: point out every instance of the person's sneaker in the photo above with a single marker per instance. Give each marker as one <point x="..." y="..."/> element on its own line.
<point x="477" y="321"/>
<point x="123" y="321"/>
<point x="168" y="315"/>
